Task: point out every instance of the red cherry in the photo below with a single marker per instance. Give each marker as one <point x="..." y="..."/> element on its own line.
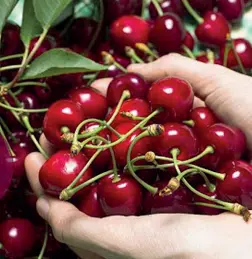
<point x="61" y="169"/>
<point x="178" y="202"/>
<point x="90" y="204"/>
<point x="237" y="185"/>
<point x="63" y="113"/>
<point x="189" y="41"/>
<point x="174" y="95"/>
<point x="149" y="176"/>
<point x="17" y="237"/>
<point x="231" y="9"/>
<point x="205" y="59"/>
<point x="136" y="84"/>
<point x="168" y="33"/>
<point x="93" y="103"/>
<point x="120" y="198"/>
<point x="129" y="30"/>
<point x="244" y="51"/>
<point x="202" y="5"/>
<point x="137" y="107"/>
<point x="213" y="30"/>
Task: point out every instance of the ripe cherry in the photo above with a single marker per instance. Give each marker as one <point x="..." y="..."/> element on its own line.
<point x="168" y="33"/>
<point x="63" y="113"/>
<point x="231" y="9"/>
<point x="61" y="169"/>
<point x="237" y="185"/>
<point x="93" y="103"/>
<point x="202" y="5"/>
<point x="135" y="83"/>
<point x="174" y="95"/>
<point x="17" y="237"/>
<point x="205" y="59"/>
<point x="129" y="30"/>
<point x="189" y="41"/>
<point x="123" y="197"/>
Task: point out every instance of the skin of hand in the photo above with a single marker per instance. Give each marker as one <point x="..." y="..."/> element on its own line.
<point x="163" y="236"/>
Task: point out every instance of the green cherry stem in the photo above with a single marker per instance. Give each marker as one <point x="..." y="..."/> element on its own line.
<point x="192" y="12"/>
<point x="131" y="116"/>
<point x="17" y="102"/>
<point x="26" y="121"/>
<point x="12" y="67"/>
<point x="130" y="52"/>
<point x="210" y="205"/>
<point x="11" y="57"/>
<point x="31" y="84"/>
<point x="143" y="8"/>
<point x="38" y="146"/>
<point x="189" y="123"/>
<point x="8" y="107"/>
<point x="158" y="7"/>
<point x="19" y="91"/>
<point x="42" y="252"/>
<point x="188" y="52"/>
<point x="226" y="52"/>
<point x="145" y="49"/>
<point x="8" y="131"/>
<point x="109" y="60"/>
<point x="14" y="113"/>
<point x="210" y="56"/>
<point x="7" y="142"/>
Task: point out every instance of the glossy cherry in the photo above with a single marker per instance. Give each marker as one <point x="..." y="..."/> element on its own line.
<point x="129" y="30"/>
<point x="63" y="113"/>
<point x="168" y="33"/>
<point x="93" y="103"/>
<point x="202" y="5"/>
<point x="174" y="95"/>
<point x="61" y="169"/>
<point x="189" y="41"/>
<point x="237" y="185"/>
<point x="17" y="237"/>
<point x="180" y="201"/>
<point x="135" y="83"/>
<point x="231" y="9"/>
<point x="123" y="197"/>
<point x="205" y="59"/>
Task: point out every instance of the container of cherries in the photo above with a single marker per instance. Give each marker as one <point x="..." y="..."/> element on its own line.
<point x="143" y="148"/>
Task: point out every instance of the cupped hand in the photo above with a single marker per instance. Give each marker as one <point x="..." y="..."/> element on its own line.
<point x="164" y="236"/>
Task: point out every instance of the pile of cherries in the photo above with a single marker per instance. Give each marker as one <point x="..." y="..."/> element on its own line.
<point x="142" y="149"/>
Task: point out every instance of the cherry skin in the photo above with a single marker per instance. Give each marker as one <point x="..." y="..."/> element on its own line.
<point x="93" y="103"/>
<point x="213" y="30"/>
<point x="236" y="186"/>
<point x="168" y="33"/>
<point x="63" y="113"/>
<point x="132" y="82"/>
<point x="137" y="107"/>
<point x="123" y="197"/>
<point x="17" y="237"/>
<point x="189" y="41"/>
<point x="90" y="204"/>
<point x="61" y="169"/>
<point x="178" y="202"/>
<point x="174" y="95"/>
<point x="205" y="59"/>
<point x="202" y="5"/>
<point x="231" y="9"/>
<point x="243" y="49"/>
<point x="129" y="30"/>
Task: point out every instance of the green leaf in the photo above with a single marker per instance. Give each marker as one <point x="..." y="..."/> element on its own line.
<point x="60" y="61"/>
<point x="5" y="10"/>
<point x="47" y="11"/>
<point x="30" y="25"/>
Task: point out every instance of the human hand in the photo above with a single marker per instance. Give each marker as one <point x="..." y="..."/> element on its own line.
<point x="160" y="236"/>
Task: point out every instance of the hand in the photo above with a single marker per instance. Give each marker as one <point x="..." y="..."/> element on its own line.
<point x="160" y="236"/>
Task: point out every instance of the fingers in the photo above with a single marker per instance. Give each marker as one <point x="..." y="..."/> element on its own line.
<point x="101" y="85"/>
<point x="46" y="145"/>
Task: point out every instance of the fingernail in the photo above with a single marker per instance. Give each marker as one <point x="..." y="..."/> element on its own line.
<point x="43" y="207"/>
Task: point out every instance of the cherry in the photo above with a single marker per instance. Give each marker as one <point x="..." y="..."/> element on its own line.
<point x="243" y="49"/>
<point x="93" y="103"/>
<point x="203" y="209"/>
<point x="9" y="75"/>
<point x="63" y="113"/>
<point x="17" y="237"/>
<point x="189" y="41"/>
<point x="123" y="197"/>
<point x="104" y="47"/>
<point x="174" y="95"/>
<point x="202" y="5"/>
<point x="149" y="176"/>
<point x="23" y="140"/>
<point x="44" y="94"/>
<point x="178" y="202"/>
<point x="236" y="186"/>
<point x="61" y="169"/>
<point x="90" y="204"/>
<point x="205" y="59"/>
<point x="231" y="9"/>
<point x="168" y="33"/>
<point x="135" y="83"/>
<point x="213" y="30"/>
<point x="136" y="107"/>
<point x="128" y="30"/>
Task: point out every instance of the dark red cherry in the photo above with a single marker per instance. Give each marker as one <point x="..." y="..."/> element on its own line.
<point x="23" y="140"/>
<point x="189" y="41"/>
<point x="120" y="198"/>
<point x="137" y="107"/>
<point x="168" y="33"/>
<point x="90" y="204"/>
<point x="17" y="237"/>
<point x="179" y="201"/>
<point x="129" y="30"/>
<point x="243" y="49"/>
<point x="205" y="59"/>
<point x="203" y="209"/>
<point x="213" y="30"/>
<point x="61" y="169"/>
<point x="149" y="176"/>
<point x="174" y="95"/>
<point x="63" y="113"/>
<point x="93" y="103"/>
<point x="135" y="83"/>
<point x="231" y="9"/>
<point x="44" y="94"/>
<point x="202" y="5"/>
<point x="104" y="47"/>
<point x="237" y="185"/>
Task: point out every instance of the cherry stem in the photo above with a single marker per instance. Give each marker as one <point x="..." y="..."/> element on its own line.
<point x="12" y="67"/>
<point x="188" y="52"/>
<point x="144" y="48"/>
<point x="42" y="252"/>
<point x="192" y="12"/>
<point x="8" y="107"/>
<point x="109" y="60"/>
<point x="13" y="112"/>
<point x="7" y="142"/>
<point x="143" y="8"/>
<point x="190" y="123"/>
<point x="26" y="121"/>
<point x="158" y="7"/>
<point x="226" y="52"/>
<point x="130" y="52"/>
<point x="11" y="57"/>
<point x="131" y="116"/>
<point x="6" y="128"/>
<point x="31" y="84"/>
<point x="210" y="56"/>
<point x="210" y="205"/>
<point x="40" y="149"/>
